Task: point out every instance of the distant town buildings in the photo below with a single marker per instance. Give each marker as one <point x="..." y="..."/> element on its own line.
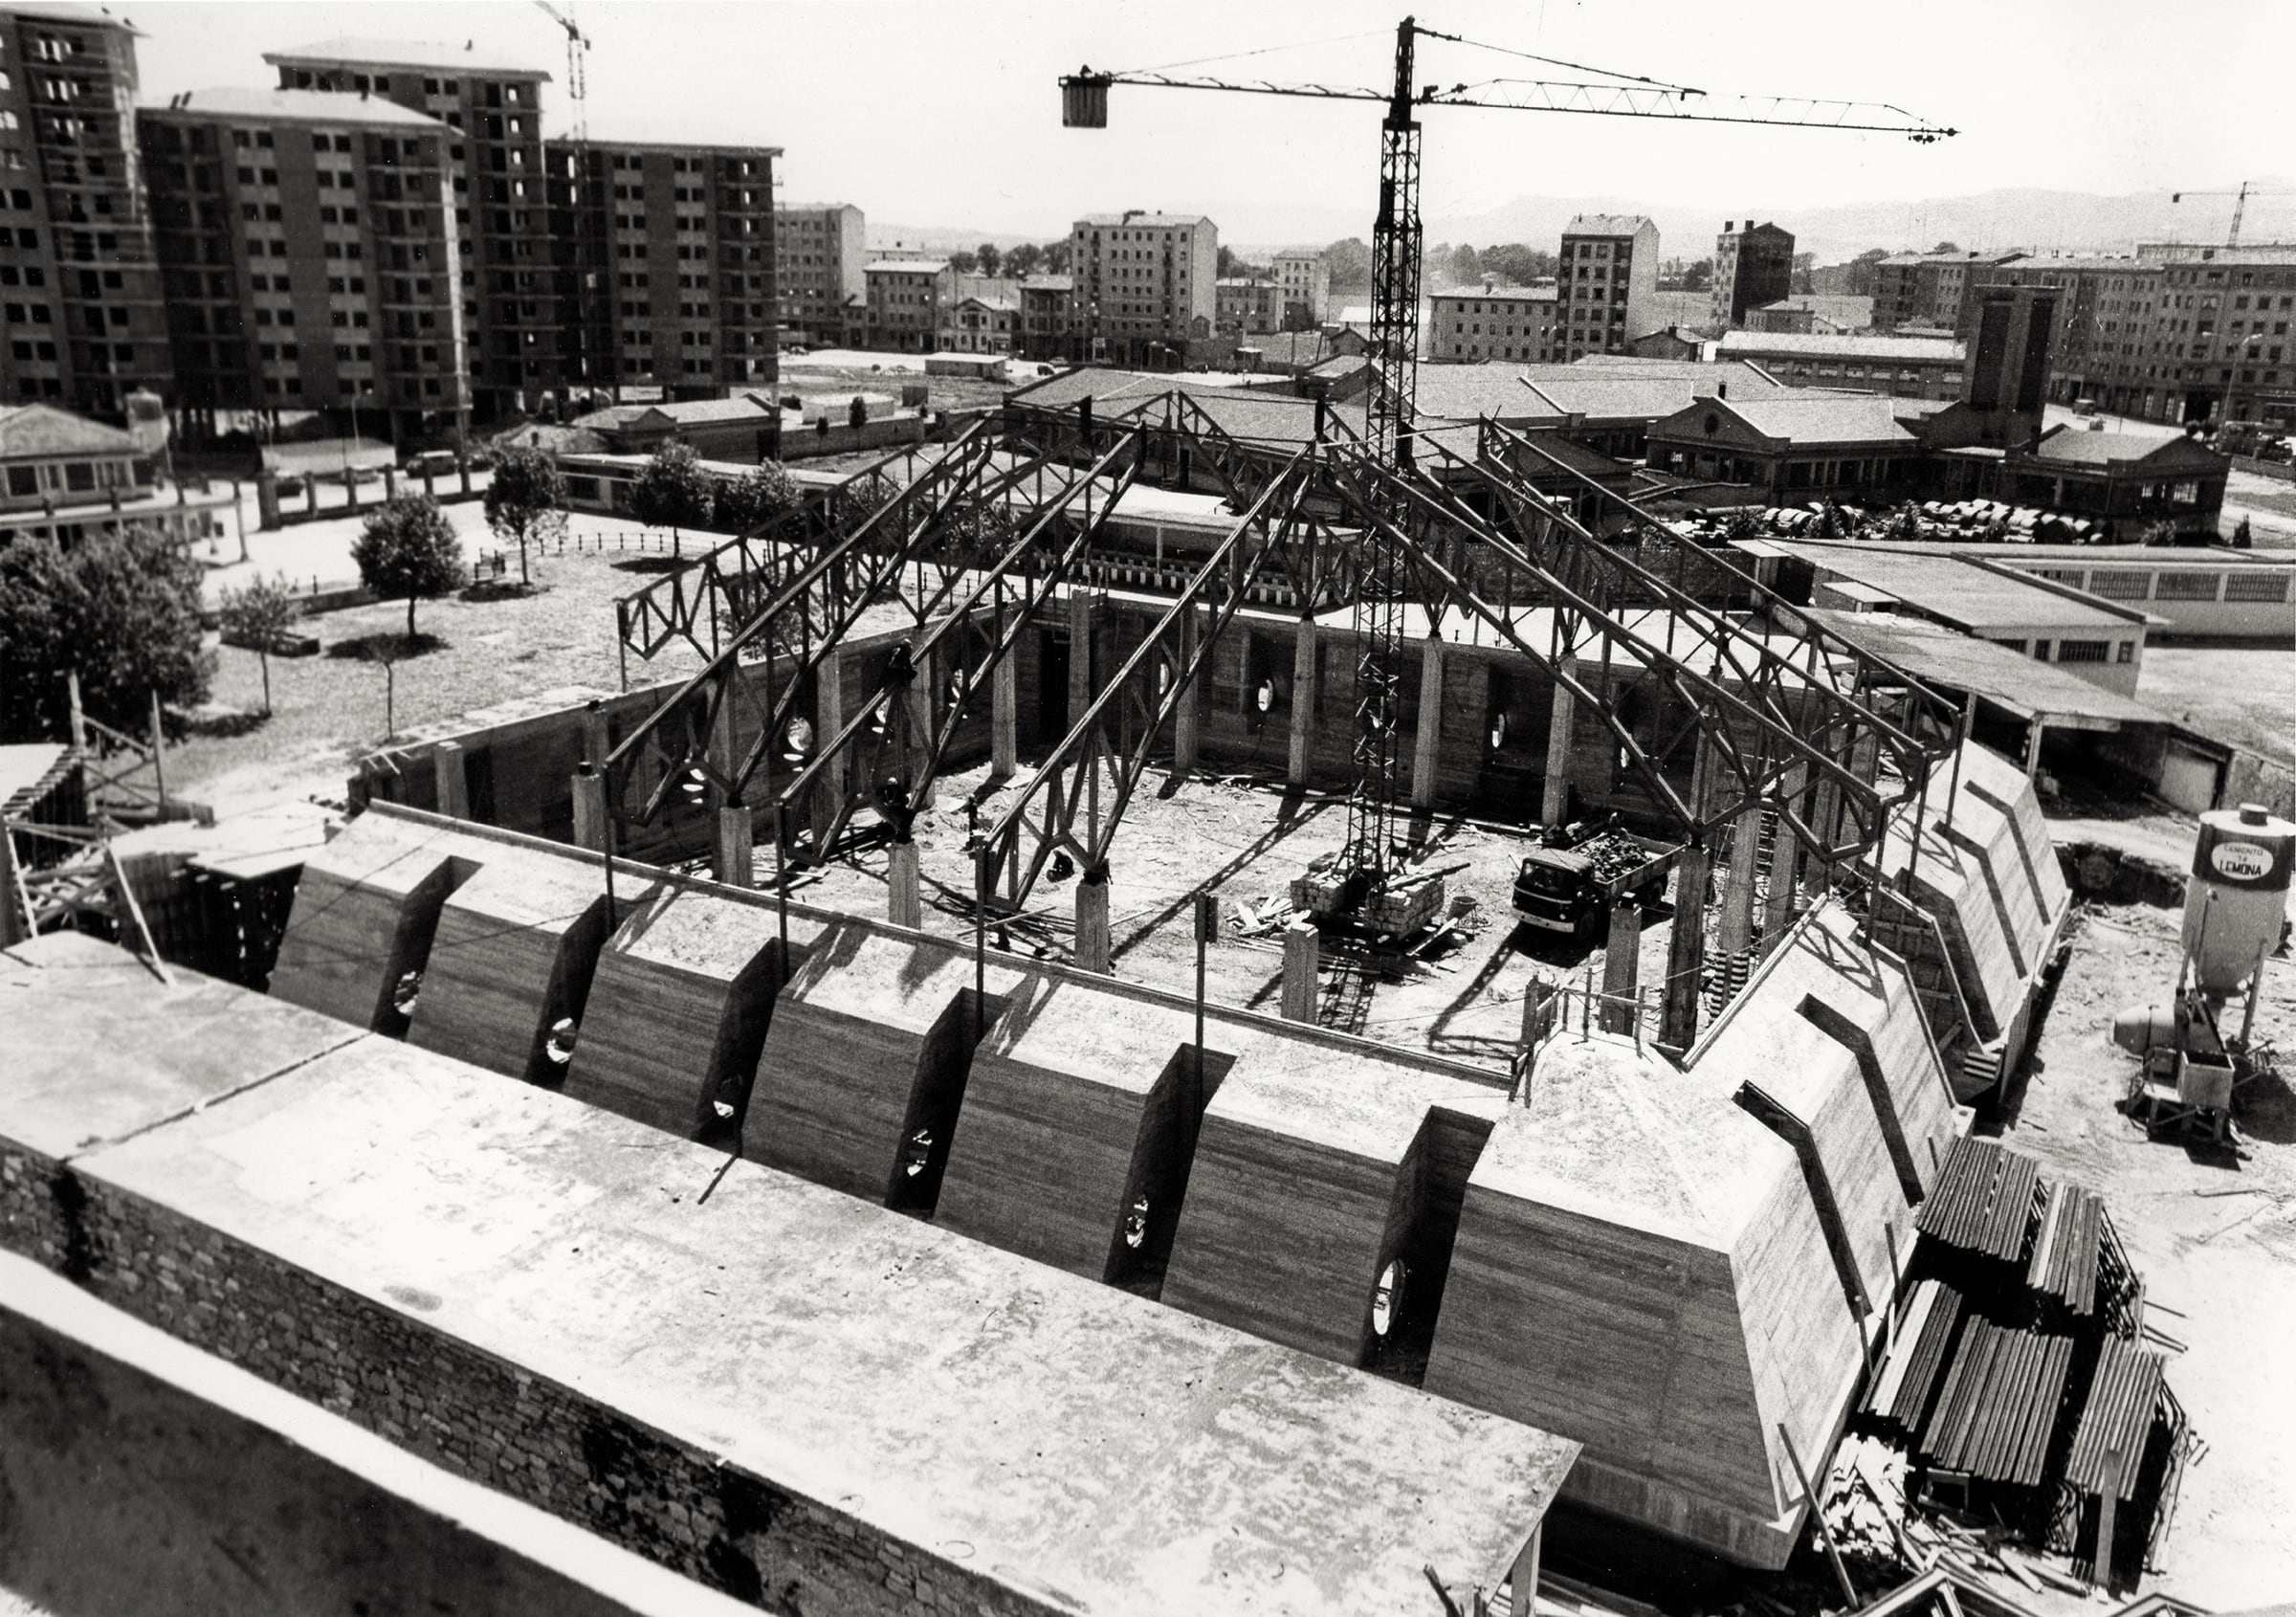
<point x="1492" y="322"/>
<point x="1048" y="318"/>
<point x="80" y="280"/>
<point x="1928" y="289"/>
<point x="906" y="299"/>
<point x="1247" y="306"/>
<point x="1909" y="367"/>
<point x="1753" y="265"/>
<point x="1817" y="314"/>
<point x="821" y="255"/>
<point x="1606" y="284"/>
<point x="1303" y="281"/>
<point x="1146" y="290"/>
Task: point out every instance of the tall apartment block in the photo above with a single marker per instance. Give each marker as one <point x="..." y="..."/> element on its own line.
<point x="79" y="284"/>
<point x="1606" y="284"/>
<point x="1754" y="266"/>
<point x="822" y="260"/>
<point x="312" y="260"/>
<point x="679" y="242"/>
<point x="1305" y="281"/>
<point x="1146" y="285"/>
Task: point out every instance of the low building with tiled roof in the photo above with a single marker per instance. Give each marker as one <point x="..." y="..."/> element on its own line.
<point x="1923" y="367"/>
<point x="66" y="478"/>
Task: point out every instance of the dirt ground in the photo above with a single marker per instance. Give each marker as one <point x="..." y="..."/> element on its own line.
<point x="2213" y="1228"/>
<point x="2236" y="693"/>
<point x="1245" y="838"/>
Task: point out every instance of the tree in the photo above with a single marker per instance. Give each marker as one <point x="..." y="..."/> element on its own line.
<point x="1467" y="265"/>
<point x="2242" y="537"/>
<point x="1947" y="247"/>
<point x="1698" y="275"/>
<point x="1056" y="257"/>
<point x="2159" y="533"/>
<point x="122" y="608"/>
<point x="963" y="262"/>
<point x="990" y="257"/>
<point x="259" y="616"/>
<point x="672" y="491"/>
<point x="526" y="500"/>
<point x="407" y="551"/>
<point x="1349" y="263"/>
<point x="857" y="413"/>
<point x="1024" y="259"/>
<point x="755" y="497"/>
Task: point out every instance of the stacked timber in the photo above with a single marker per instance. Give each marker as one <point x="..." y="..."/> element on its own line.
<point x="1901" y="1392"/>
<point x="2000" y="1405"/>
<point x="2065" y="1248"/>
<point x="1983" y="1200"/>
<point x="2123" y="1395"/>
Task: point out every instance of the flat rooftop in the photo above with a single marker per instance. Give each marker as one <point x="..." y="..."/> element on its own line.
<point x="1083" y="1446"/>
<point x="1958" y="592"/>
<point x="2009" y="679"/>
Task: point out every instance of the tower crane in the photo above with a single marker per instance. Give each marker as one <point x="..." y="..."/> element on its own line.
<point x="577" y="50"/>
<point x="1369" y="854"/>
<point x="587" y="271"/>
<point x="2240" y="204"/>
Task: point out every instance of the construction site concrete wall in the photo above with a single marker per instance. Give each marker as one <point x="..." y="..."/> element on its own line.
<point x="144" y="1474"/>
<point x="780" y="1391"/>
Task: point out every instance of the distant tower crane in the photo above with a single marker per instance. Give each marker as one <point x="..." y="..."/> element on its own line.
<point x="587" y="271"/>
<point x="577" y="50"/>
<point x="1394" y="345"/>
<point x="2240" y="204"/>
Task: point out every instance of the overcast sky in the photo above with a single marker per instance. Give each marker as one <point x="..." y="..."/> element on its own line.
<point x="946" y="113"/>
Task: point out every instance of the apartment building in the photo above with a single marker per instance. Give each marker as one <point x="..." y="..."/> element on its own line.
<point x="1754" y="266"/>
<point x="2103" y="323"/>
<point x="1247" y="306"/>
<point x="79" y="282"/>
<point x="821" y="259"/>
<point x="908" y="300"/>
<point x="1467" y="324"/>
<point x="1303" y="281"/>
<point x="1931" y="289"/>
<point x="1048" y="313"/>
<point x="669" y="252"/>
<point x="1146" y="286"/>
<point x="1606" y="289"/>
<point x="511" y="283"/>
<point x="2219" y="345"/>
<point x="310" y="255"/>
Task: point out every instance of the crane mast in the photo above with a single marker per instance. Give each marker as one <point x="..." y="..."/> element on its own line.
<point x="1378" y="611"/>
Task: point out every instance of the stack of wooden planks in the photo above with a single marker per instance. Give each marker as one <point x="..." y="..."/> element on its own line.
<point x="1983" y="1200"/>
<point x="2122" y="1397"/>
<point x="2000" y="1403"/>
<point x="2066" y="1247"/>
<point x="1901" y="1392"/>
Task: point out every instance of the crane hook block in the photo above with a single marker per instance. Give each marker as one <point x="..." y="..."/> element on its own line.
<point x="1084" y="99"/>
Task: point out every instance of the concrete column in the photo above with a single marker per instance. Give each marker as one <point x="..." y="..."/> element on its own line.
<point x="452" y="770"/>
<point x="730" y="858"/>
<point x="311" y="496"/>
<point x="1188" y="719"/>
<point x="1554" y="793"/>
<point x="1304" y="703"/>
<point x="828" y="718"/>
<point x="725" y="735"/>
<point x="1785" y="858"/>
<point x="589" y="810"/>
<point x="430" y="489"/>
<point x="597" y="737"/>
<point x="1004" y="718"/>
<point x="391" y="482"/>
<point x="1092" y="952"/>
<point x="267" y="501"/>
<point x="1084" y="619"/>
<point x="1686" y="950"/>
<point x="13" y="927"/>
<point x="1426" y="749"/>
<point x="1622" y="968"/>
<point x="1736" y="928"/>
<point x="1303" y="958"/>
<point x="924" y="697"/>
<point x="2033" y="731"/>
<point x="462" y="467"/>
<point x="904" y="905"/>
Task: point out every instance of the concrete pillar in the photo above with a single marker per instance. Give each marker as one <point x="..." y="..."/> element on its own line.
<point x="725" y="736"/>
<point x="1785" y="856"/>
<point x="924" y="698"/>
<point x="589" y="810"/>
<point x="267" y="501"/>
<point x="13" y="927"/>
<point x="905" y="903"/>
<point x="462" y="467"/>
<point x="730" y="858"/>
<point x="1686" y="950"/>
<point x="1735" y="929"/>
<point x="1084" y="619"/>
<point x="2033" y="731"/>
<point x="1303" y="958"/>
<point x="452" y="770"/>
<point x="1188" y="719"/>
<point x="391" y="482"/>
<point x="1092" y="952"/>
<point x="311" y="496"/>
<point x="1304" y="703"/>
<point x="1004" y="718"/>
<point x="828" y="718"/>
<point x="1622" y="968"/>
<point x="430" y="490"/>
<point x="1554" y="793"/>
<point x="1426" y="749"/>
<point x="597" y="741"/>
<point x="350" y="491"/>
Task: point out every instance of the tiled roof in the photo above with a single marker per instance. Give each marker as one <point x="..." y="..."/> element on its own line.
<point x="1840" y="308"/>
<point x="915" y="266"/>
<point x="743" y="407"/>
<point x="1606" y="224"/>
<point x="1462" y="393"/>
<point x="64" y="11"/>
<point x="1607" y="395"/>
<point x="1649" y="368"/>
<point x="1818" y="346"/>
<point x="1815" y="418"/>
<point x="1538" y="294"/>
<point x="813" y="206"/>
<point x="431" y="56"/>
<point x="1047" y="283"/>
<point x="40" y="429"/>
<point x="292" y="106"/>
<point x="1146" y="221"/>
<point x="2077" y="446"/>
